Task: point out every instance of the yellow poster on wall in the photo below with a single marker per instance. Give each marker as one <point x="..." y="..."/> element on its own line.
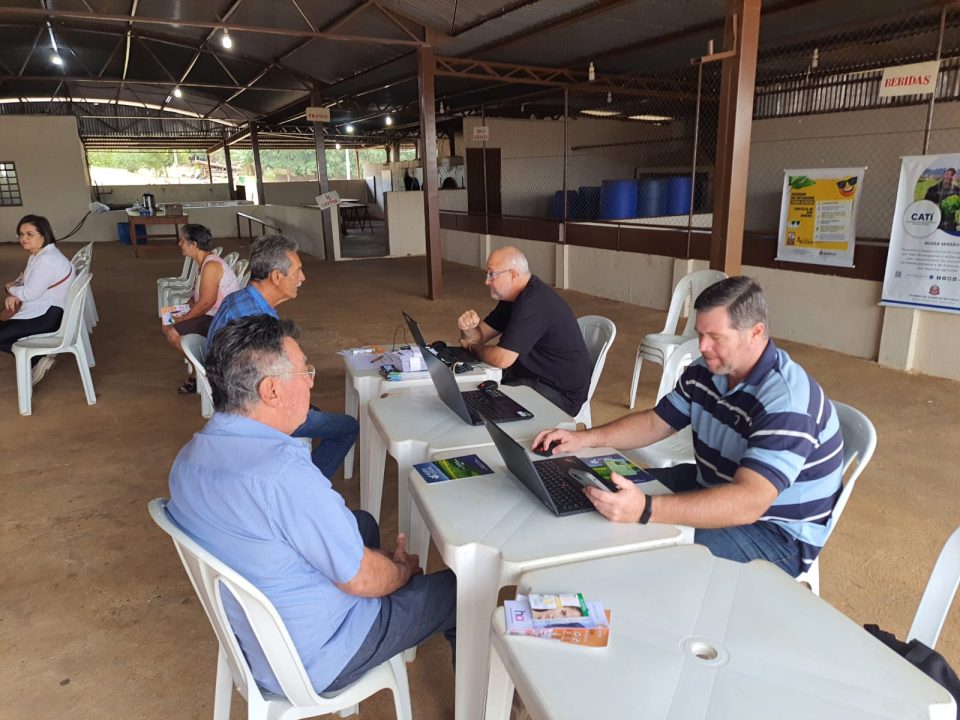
<point x="818" y="215"/>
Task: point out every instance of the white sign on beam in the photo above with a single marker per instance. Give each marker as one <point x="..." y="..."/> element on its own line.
<point x="915" y="79"/>
<point x="481" y="133"/>
<point x="318" y="114"/>
<point x="328" y="199"/>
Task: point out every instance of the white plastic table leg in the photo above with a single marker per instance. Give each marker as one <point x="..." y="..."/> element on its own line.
<point x="499" y="688"/>
<point x="373" y="454"/>
<point x="478" y="584"/>
<point x="351" y="406"/>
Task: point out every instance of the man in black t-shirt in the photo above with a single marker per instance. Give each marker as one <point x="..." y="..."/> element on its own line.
<point x="540" y="341"/>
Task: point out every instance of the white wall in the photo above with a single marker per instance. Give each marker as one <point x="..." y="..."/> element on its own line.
<point x="50" y="168"/>
<point x="406" y="233"/>
<point x="532" y="151"/>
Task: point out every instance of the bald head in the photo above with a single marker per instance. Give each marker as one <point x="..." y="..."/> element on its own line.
<point x="509" y="257"/>
<point x="507" y="273"/>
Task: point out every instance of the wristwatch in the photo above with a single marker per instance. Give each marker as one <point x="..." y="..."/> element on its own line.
<point x="647" y="509"/>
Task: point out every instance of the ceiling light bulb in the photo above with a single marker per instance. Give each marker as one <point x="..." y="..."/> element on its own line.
<point x="56" y="59"/>
<point x="591" y="72"/>
<point x="226" y="40"/>
<point x="177" y="92"/>
<point x="388" y="120"/>
<point x="609" y="97"/>
<point x="338" y="146"/>
<point x="441" y="107"/>
<point x="349" y="128"/>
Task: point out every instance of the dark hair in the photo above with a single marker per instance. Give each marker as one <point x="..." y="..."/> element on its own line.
<point x="742" y="296"/>
<point x="269" y="253"/>
<point x="199" y="235"/>
<point x="241" y="354"/>
<point x="41" y="224"/>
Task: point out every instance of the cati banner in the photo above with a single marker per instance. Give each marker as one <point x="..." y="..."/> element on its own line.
<point x="923" y="263"/>
<point x="818" y="215"/>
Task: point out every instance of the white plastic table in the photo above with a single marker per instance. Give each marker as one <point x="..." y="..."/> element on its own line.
<point x="412" y="424"/>
<point x="489" y="530"/>
<point x="694" y="637"/>
<point x="361" y="386"/>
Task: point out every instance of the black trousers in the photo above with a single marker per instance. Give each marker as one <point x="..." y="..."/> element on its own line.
<point x="13" y="330"/>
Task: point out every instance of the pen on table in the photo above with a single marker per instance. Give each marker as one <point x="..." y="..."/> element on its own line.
<point x="377" y="359"/>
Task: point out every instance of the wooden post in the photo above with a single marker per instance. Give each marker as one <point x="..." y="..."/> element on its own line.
<point x="319" y="141"/>
<point x="226" y="161"/>
<point x="257" y="167"/>
<point x="428" y="151"/>
<point x="738" y="78"/>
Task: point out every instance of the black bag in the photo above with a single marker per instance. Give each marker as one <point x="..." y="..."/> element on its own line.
<point x="927" y="660"/>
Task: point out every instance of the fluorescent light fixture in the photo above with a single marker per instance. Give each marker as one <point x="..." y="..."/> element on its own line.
<point x="226" y="40"/>
<point x="600" y="113"/>
<point x="652" y="118"/>
<point x="177" y="92"/>
<point x="388" y="120"/>
<point x="337" y="146"/>
<point x="609" y="97"/>
<point x="349" y="129"/>
<point x="56" y="59"/>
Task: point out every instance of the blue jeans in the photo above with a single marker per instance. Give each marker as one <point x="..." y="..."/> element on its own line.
<point x="337" y="433"/>
<point x="424" y="606"/>
<point x="760" y="541"/>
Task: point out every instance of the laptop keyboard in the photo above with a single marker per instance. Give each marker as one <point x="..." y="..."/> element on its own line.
<point x="483" y="405"/>
<point x="566" y="495"/>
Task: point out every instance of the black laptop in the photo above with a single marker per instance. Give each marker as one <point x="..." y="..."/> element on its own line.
<point x="448" y="354"/>
<point x="472" y="406"/>
<point x="550" y="480"/>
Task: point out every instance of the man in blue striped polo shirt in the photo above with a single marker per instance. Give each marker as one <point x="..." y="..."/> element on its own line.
<point x="767" y="442"/>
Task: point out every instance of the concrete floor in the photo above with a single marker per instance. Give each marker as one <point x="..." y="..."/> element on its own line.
<point x="97" y="618"/>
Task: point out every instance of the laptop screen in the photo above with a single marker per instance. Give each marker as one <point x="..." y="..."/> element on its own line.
<point x="414" y="330"/>
<point x="519" y="463"/>
<point x="446" y="386"/>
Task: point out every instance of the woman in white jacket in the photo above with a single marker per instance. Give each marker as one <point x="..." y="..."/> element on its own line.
<point x="34" y="302"/>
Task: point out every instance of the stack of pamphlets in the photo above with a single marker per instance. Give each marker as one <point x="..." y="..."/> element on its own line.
<point x="453" y="468"/>
<point x="171" y="311"/>
<point x="563" y="616"/>
<point x="406" y="360"/>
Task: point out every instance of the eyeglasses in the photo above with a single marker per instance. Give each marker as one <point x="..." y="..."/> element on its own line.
<point x="310" y="370"/>
<point x="492" y="275"/>
<point x="849" y="182"/>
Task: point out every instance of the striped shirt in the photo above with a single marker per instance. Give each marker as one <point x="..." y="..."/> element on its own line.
<point x="777" y="422"/>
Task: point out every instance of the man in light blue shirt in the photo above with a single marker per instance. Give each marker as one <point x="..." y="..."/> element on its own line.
<point x="249" y="493"/>
<point x="276" y="274"/>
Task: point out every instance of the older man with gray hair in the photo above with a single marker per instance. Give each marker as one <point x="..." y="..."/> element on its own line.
<point x="250" y="495"/>
<point x="767" y="442"/>
<point x="276" y="274"/>
<point x="540" y="341"/>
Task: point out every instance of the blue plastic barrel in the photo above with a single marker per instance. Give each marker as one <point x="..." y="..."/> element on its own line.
<point x="650" y="197"/>
<point x="677" y="195"/>
<point x="123" y="233"/>
<point x="590" y="202"/>
<point x="618" y="199"/>
<point x="573" y="205"/>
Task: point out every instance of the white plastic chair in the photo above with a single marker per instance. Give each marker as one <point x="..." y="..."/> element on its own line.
<point x="173" y="291"/>
<point x="658" y="346"/>
<point x="678" y="448"/>
<point x="240" y="267"/>
<point x="188" y="274"/>
<point x="859" y="443"/>
<point x="210" y="577"/>
<point x="82" y="261"/>
<point x="69" y="338"/>
<point x="231" y="259"/>
<point x="938" y="595"/>
<point x="598" y="335"/>
<point x="193" y="347"/>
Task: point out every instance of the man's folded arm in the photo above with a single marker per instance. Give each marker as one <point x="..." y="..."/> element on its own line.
<point x="379" y="575"/>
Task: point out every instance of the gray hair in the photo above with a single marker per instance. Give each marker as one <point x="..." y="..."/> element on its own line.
<point x="269" y="253"/>
<point x="241" y="355"/>
<point x="742" y="296"/>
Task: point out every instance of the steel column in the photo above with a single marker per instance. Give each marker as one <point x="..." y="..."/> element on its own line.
<point x="431" y="197"/>
<point x="257" y="167"/>
<point x="321" y="148"/>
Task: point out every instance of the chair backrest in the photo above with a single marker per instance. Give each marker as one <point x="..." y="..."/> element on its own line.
<point x="210" y="577"/>
<point x="193" y="346"/>
<point x="231" y="259"/>
<point x="938" y="595"/>
<point x="598" y="335"/>
<point x="73" y="310"/>
<point x="84" y="254"/>
<point x="240" y="267"/>
<point x="859" y="443"/>
<point x="218" y="250"/>
<point x="243" y="278"/>
<point x="676" y="363"/>
<point x="685" y="294"/>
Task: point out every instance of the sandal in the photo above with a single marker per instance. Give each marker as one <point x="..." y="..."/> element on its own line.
<point x="189" y="387"/>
